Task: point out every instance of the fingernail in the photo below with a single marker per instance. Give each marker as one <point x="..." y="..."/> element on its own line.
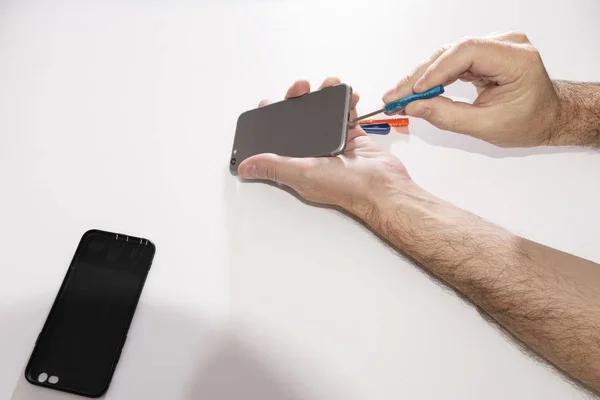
<point x="417" y="86"/>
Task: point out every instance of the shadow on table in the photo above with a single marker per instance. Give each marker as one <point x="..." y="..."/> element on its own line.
<point x="436" y="137"/>
<point x="235" y="372"/>
<point x="172" y="356"/>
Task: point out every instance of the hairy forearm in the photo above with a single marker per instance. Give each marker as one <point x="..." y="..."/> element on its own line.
<point x="578" y="117"/>
<point x="547" y="298"/>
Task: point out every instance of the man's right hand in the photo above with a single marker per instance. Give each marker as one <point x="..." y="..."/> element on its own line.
<point x="517" y="104"/>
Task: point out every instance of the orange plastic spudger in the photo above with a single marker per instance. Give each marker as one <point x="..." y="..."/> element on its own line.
<point x="389" y="121"/>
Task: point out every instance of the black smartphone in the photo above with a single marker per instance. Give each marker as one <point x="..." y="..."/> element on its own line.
<point x="81" y="341"/>
<point x="313" y="125"/>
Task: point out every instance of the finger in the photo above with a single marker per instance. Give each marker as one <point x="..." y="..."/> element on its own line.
<point x="405" y="86"/>
<point x="353" y="103"/>
<point x="469" y="75"/>
<point x="299" y="88"/>
<point x="494" y="35"/>
<point x="481" y="85"/>
<point x="354" y="132"/>
<point x="355" y="100"/>
<point x="264" y="102"/>
<point x="512" y="36"/>
<point x="330" y="81"/>
<point x="484" y="57"/>
<point x="452" y="116"/>
<point x="284" y="170"/>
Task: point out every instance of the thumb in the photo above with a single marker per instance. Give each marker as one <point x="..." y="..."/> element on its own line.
<point x="284" y="170"/>
<point x="454" y="116"/>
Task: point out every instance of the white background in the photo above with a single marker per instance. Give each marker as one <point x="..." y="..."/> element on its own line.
<point x="120" y="116"/>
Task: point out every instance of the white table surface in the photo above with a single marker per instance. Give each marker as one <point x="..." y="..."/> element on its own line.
<point x="120" y="116"/>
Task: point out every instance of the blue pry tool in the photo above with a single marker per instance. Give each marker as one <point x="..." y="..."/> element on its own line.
<point x="398" y="105"/>
<point x="377" y="129"/>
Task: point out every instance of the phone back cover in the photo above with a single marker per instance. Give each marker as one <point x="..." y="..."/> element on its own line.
<point x="81" y="341"/>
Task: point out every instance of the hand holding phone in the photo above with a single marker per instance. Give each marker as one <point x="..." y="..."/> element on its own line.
<point x="350" y="181"/>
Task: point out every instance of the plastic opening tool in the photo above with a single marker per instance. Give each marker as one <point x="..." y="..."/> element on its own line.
<point x="398" y="105"/>
<point x="395" y="122"/>
<point x="377" y="129"/>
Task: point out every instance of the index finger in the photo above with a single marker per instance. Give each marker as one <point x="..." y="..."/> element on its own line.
<point x="404" y="87"/>
<point x="298" y="88"/>
<point x="483" y="57"/>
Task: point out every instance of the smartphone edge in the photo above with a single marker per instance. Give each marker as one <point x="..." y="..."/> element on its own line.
<point x="346" y="124"/>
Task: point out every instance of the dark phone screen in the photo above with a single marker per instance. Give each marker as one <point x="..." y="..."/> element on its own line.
<point x="83" y="335"/>
<point x="313" y="125"/>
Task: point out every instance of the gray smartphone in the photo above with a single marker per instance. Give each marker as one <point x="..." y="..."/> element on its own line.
<point x="313" y="125"/>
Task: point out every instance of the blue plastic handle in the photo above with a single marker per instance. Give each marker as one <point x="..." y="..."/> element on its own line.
<point x="398" y="105"/>
<point x="377" y="129"/>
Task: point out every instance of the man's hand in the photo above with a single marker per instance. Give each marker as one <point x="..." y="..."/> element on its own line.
<point x="546" y="298"/>
<point x="352" y="180"/>
<point x="517" y="104"/>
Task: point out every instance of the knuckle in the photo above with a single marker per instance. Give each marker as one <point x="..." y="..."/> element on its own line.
<point x="532" y="55"/>
<point x="438" y="53"/>
<point x="516" y="37"/>
<point x="467" y="42"/>
<point x="271" y="172"/>
<point x="533" y="52"/>
<point x="405" y="80"/>
<point x="520" y="36"/>
<point x="466" y="39"/>
<point x="463" y="46"/>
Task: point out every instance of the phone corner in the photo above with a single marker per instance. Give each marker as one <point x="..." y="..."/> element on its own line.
<point x="27" y="375"/>
<point x="101" y="393"/>
<point x="347" y="86"/>
<point x="341" y="148"/>
<point x="29" y="378"/>
<point x="233" y="160"/>
<point x="91" y="232"/>
<point x="233" y="170"/>
<point x="94" y="395"/>
<point x="242" y="116"/>
<point x="151" y="244"/>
